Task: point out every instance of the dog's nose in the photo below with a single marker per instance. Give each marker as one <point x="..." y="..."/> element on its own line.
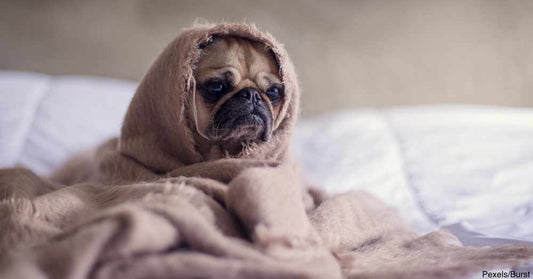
<point x="249" y="93"/>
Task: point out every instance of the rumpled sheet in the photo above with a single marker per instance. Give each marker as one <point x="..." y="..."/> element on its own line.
<point x="468" y="169"/>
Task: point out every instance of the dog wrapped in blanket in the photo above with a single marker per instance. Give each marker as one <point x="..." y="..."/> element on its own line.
<point x="200" y="184"/>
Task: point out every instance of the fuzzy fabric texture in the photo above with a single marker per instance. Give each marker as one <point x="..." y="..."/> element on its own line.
<point x="147" y="205"/>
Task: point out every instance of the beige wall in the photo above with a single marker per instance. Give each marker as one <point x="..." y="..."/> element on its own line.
<point x="347" y="53"/>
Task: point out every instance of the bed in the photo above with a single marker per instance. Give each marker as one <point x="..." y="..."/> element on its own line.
<point x="468" y="169"/>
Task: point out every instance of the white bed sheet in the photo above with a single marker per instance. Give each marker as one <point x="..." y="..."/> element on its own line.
<point x="468" y="169"/>
<point x="465" y="168"/>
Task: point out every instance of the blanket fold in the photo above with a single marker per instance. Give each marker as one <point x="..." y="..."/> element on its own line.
<point x="149" y="205"/>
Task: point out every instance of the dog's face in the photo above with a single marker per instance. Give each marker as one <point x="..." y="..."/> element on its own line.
<point x="239" y="91"/>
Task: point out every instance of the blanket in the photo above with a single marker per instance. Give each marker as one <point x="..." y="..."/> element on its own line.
<point x="148" y="205"/>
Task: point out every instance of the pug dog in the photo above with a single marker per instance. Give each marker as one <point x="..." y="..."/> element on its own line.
<point x="239" y="94"/>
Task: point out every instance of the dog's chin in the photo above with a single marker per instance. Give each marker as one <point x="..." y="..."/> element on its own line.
<point x="246" y="128"/>
<point x="243" y="129"/>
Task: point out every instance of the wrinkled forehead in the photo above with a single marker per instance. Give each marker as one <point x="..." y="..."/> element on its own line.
<point x="245" y="57"/>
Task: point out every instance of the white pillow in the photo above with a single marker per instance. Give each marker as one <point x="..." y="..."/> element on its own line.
<point x="45" y="119"/>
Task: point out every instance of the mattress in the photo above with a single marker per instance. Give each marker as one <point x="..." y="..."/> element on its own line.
<point x="468" y="169"/>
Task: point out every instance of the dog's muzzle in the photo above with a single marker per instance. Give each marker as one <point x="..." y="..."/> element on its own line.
<point x="245" y="117"/>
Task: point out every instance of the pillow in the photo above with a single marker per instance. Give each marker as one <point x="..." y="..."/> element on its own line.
<point x="45" y="119"/>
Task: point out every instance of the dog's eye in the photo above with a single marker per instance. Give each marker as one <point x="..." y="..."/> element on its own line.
<point x="274" y="93"/>
<point x="216" y="87"/>
<point x="213" y="90"/>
